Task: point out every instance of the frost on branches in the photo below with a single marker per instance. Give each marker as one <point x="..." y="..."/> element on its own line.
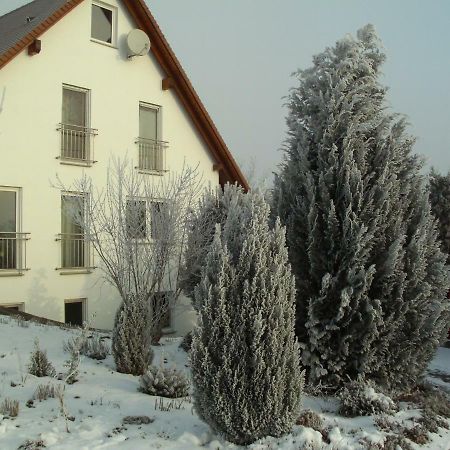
<point x="440" y="206"/>
<point x="363" y="244"/>
<point x="244" y="356"/>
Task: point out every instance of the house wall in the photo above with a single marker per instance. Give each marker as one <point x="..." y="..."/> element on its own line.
<point x="30" y="143"/>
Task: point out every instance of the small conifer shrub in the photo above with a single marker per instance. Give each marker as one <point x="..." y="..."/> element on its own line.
<point x="164" y="382"/>
<point x="359" y="398"/>
<point x="39" y="364"/>
<point x="131" y="341"/>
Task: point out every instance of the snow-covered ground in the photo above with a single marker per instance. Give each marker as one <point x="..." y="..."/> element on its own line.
<point x="101" y="399"/>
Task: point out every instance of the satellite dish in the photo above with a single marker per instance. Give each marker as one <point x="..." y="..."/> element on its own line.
<point x="138" y="43"/>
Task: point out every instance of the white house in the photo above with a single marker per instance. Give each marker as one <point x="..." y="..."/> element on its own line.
<point x="77" y="86"/>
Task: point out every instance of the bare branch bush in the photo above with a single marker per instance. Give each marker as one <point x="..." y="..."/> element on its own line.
<point x="137" y="224"/>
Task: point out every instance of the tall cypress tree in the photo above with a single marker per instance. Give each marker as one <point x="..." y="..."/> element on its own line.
<point x="440" y="206"/>
<point x="244" y="355"/>
<point x="363" y="245"/>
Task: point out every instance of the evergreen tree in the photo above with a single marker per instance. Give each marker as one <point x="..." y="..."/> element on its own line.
<point x="440" y="206"/>
<point x="131" y="340"/>
<point x="212" y="208"/>
<point x="244" y="355"/>
<point x="363" y="245"/>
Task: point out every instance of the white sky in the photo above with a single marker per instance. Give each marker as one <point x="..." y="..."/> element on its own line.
<point x="239" y="54"/>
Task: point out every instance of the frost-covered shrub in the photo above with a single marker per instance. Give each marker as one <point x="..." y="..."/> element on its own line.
<point x="131" y="341"/>
<point x="244" y="355"/>
<point x="93" y="347"/>
<point x="32" y="445"/>
<point x="213" y="209"/>
<point x="186" y="343"/>
<point x="359" y="398"/>
<point x="310" y="419"/>
<point x="363" y="244"/>
<point x="44" y="391"/>
<point x="9" y="408"/>
<point x="429" y="398"/>
<point x="165" y="382"/>
<point x="39" y="364"/>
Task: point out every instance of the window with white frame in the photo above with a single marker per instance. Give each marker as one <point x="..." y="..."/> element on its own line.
<point x="74" y="249"/>
<point x="12" y="241"/>
<point x="103" y="23"/>
<point x="151" y="148"/>
<point x="75" y="124"/>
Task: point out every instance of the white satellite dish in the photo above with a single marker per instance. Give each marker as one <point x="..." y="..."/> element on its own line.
<point x="138" y="43"/>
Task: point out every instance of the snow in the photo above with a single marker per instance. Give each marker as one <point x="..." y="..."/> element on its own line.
<point x="102" y="397"/>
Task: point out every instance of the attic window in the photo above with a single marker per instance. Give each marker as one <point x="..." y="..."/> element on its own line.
<point x="103" y="23"/>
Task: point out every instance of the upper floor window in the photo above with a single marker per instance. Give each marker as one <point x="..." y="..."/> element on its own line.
<point x="76" y="134"/>
<point x="152" y="150"/>
<point x="103" y="20"/>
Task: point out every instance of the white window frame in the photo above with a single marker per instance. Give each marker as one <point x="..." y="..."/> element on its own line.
<point x="87" y="250"/>
<point x="114" y="25"/>
<point x="88" y="101"/>
<point x="158" y="109"/>
<point x="18" y="192"/>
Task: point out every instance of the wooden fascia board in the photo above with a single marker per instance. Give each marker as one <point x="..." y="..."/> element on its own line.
<point x="23" y="43"/>
<point x="186" y="92"/>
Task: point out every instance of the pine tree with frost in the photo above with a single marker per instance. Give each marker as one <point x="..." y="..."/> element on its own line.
<point x="362" y="242"/>
<point x="440" y="206"/>
<point x="244" y="355"/>
<point x="39" y="365"/>
<point x="131" y="340"/>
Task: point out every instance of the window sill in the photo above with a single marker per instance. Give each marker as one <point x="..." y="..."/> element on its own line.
<point x="158" y="173"/>
<point x="12" y="272"/>
<point x="75" y="162"/>
<point x="106" y="44"/>
<point x="75" y="271"/>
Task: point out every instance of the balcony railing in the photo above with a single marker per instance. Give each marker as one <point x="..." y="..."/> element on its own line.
<point x="13" y="254"/>
<point x="77" y="143"/>
<point x="152" y="155"/>
<point x="75" y="251"/>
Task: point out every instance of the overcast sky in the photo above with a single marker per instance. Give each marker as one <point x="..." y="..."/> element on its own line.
<point x="239" y="54"/>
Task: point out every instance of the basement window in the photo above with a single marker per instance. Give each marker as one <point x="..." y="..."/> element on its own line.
<point x="103" y="23"/>
<point x="74" y="312"/>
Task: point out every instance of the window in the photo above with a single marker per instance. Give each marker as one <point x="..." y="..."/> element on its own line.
<point x="75" y="311"/>
<point x="75" y="127"/>
<point x="14" y="306"/>
<point x="73" y="244"/>
<point x="151" y="148"/>
<point x="159" y="217"/>
<point x="12" y="240"/>
<point x="103" y="23"/>
<point x="136" y="219"/>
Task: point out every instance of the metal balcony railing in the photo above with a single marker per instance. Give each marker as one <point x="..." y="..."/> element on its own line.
<point x="13" y="254"/>
<point x="75" y="251"/>
<point x="152" y="155"/>
<point x="77" y="143"/>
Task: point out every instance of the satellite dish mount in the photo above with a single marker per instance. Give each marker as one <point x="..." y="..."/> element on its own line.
<point x="138" y="43"/>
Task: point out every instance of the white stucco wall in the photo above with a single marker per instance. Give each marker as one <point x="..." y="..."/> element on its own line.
<point x="29" y="145"/>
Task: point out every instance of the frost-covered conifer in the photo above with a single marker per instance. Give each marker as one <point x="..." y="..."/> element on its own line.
<point x="131" y="340"/>
<point x="212" y="209"/>
<point x="244" y="355"/>
<point x="440" y="206"/>
<point x="362" y="242"/>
